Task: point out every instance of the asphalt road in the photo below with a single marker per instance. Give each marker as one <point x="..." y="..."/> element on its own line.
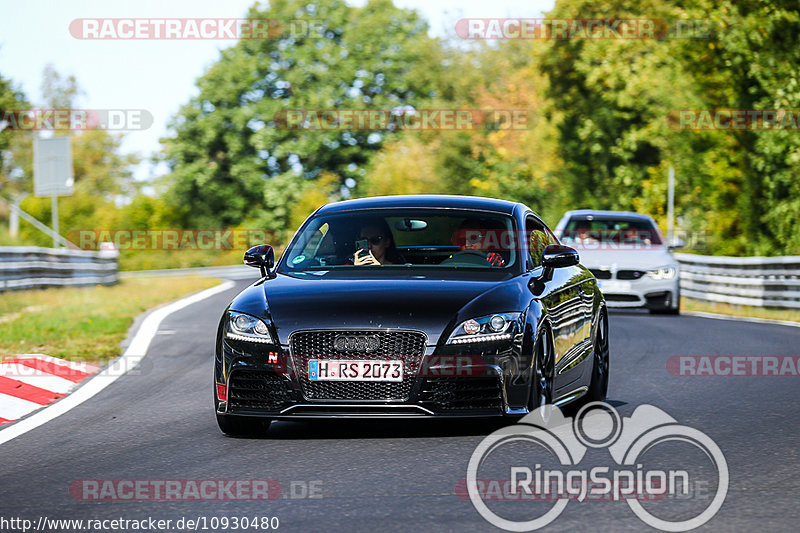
<point x="158" y="423"/>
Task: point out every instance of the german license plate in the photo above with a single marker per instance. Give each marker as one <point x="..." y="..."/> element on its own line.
<point x="353" y="370"/>
<point x="614" y="286"/>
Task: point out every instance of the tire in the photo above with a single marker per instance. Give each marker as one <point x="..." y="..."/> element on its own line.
<point x="543" y="369"/>
<point x="237" y="426"/>
<point x="598" y="388"/>
<point x="669" y="310"/>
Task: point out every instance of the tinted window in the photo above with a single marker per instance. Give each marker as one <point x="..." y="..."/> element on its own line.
<point x="413" y="238"/>
<point x="588" y="230"/>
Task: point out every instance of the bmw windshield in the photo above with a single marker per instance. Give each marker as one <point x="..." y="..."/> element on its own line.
<point x="593" y="230"/>
<point x="404" y="238"/>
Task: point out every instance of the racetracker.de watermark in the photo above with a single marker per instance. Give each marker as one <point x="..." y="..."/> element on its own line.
<point x="581" y="29"/>
<point x="75" y="119"/>
<point x="175" y="29"/>
<point x="435" y="366"/>
<point x="172" y="490"/>
<point x="404" y="119"/>
<point x="734" y="365"/>
<point x="170" y="239"/>
<point x="734" y="119"/>
<point x="596" y="484"/>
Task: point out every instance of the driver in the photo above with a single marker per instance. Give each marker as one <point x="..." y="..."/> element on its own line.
<point x="471" y="239"/>
<point x="382" y="250"/>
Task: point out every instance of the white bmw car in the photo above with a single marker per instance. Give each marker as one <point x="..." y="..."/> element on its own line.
<point x="627" y="254"/>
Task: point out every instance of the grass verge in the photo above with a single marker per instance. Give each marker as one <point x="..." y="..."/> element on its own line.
<point x="83" y="324"/>
<point x="688" y="304"/>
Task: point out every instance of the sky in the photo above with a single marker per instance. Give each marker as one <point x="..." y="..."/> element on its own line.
<point x="157" y="75"/>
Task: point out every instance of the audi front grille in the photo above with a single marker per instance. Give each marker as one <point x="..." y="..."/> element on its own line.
<point x="405" y="345"/>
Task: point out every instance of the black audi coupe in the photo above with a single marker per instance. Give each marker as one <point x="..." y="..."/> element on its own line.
<point x="411" y="306"/>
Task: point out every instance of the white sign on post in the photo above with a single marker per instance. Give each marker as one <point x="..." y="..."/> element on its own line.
<point x="52" y="166"/>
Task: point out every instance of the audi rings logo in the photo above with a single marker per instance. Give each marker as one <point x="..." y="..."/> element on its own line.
<point x="356" y="343"/>
<point x="563" y="442"/>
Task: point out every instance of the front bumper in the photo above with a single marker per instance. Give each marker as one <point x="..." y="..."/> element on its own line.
<point x="471" y="384"/>
<point x="273" y="396"/>
<point x="644" y="292"/>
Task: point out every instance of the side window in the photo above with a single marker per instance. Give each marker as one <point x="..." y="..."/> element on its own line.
<point x="538" y="238"/>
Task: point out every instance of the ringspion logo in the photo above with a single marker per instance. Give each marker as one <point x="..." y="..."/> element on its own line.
<point x="547" y="436"/>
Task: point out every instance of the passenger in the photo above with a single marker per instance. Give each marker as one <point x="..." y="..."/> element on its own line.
<point x="471" y="239"/>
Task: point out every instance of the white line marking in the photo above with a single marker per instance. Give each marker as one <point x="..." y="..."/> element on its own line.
<point x="35" y="377"/>
<point x="12" y="407"/>
<point x="133" y="355"/>
<point x="755" y="320"/>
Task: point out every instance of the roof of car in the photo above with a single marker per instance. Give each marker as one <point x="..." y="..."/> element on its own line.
<point x="598" y="212"/>
<point x="424" y="201"/>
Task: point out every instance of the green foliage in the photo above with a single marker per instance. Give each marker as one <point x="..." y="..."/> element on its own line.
<point x="10" y="173"/>
<point x="739" y="188"/>
<point x="753" y="64"/>
<point x="598" y="109"/>
<point x="232" y="159"/>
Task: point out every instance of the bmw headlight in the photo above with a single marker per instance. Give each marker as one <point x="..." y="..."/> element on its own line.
<point x="497" y="327"/>
<point x="665" y="272"/>
<point x="242" y="327"/>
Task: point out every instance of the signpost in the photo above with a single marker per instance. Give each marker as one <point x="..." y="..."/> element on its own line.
<point x="671" y="206"/>
<point x="52" y="172"/>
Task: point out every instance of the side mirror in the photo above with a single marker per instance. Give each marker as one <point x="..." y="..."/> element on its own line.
<point x="559" y="255"/>
<point x="262" y="257"/>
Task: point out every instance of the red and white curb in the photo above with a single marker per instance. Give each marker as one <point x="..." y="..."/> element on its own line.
<point x="29" y="382"/>
<point x="134" y="353"/>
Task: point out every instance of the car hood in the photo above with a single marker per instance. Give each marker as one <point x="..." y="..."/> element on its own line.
<point x="631" y="259"/>
<point x="430" y="305"/>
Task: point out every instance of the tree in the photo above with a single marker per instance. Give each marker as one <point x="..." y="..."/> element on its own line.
<point x="753" y="64"/>
<point x="231" y="151"/>
<point x="739" y="188"/>
<point x="405" y="165"/>
<point x="103" y="174"/>
<point x="12" y="174"/>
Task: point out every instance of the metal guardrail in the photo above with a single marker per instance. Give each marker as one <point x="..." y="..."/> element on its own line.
<point x="754" y="281"/>
<point x="234" y="272"/>
<point x="26" y="267"/>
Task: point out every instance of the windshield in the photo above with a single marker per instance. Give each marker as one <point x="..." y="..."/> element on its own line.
<point x="593" y="230"/>
<point x="405" y="238"/>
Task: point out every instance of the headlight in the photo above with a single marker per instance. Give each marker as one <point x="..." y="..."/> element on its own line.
<point x="242" y="327"/>
<point x="665" y="272"/>
<point x="497" y="327"/>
